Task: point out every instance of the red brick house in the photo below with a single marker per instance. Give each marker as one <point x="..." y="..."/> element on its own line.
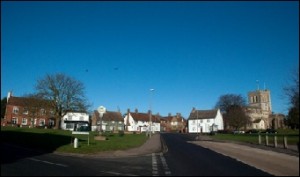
<point x="174" y="123"/>
<point x="26" y="111"/>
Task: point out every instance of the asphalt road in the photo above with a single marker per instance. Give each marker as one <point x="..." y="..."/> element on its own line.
<point x="163" y="154"/>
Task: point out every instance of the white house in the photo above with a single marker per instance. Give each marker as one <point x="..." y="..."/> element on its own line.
<point x="72" y="119"/>
<point x="140" y="122"/>
<point x="205" y="121"/>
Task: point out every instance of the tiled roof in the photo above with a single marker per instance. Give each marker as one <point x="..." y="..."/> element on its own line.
<point x="144" y="117"/>
<point x="110" y="116"/>
<point x="23" y="101"/>
<point x="170" y="118"/>
<point x="203" y="114"/>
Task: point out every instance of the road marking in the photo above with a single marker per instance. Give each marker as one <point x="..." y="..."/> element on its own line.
<point x="165" y="165"/>
<point x="118" y="174"/>
<point x="155" y="165"/>
<point x="43" y="161"/>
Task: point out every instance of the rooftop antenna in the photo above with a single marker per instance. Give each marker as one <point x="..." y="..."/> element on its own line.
<point x="257" y="82"/>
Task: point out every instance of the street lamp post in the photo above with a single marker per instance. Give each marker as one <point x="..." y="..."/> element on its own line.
<point x="198" y="125"/>
<point x="150" y="114"/>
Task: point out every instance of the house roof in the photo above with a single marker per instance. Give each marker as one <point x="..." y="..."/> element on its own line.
<point x="110" y="116"/>
<point x="203" y="114"/>
<point x="173" y="118"/>
<point x="24" y="101"/>
<point x="144" y="117"/>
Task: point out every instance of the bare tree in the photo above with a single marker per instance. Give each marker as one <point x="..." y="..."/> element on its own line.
<point x="64" y="93"/>
<point x="292" y="93"/>
<point x="292" y="90"/>
<point x="237" y="117"/>
<point x="228" y="100"/>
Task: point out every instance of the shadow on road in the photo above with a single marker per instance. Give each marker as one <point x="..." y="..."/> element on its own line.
<point x="16" y="145"/>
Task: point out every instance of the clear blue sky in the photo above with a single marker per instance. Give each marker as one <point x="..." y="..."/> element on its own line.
<point x="191" y="53"/>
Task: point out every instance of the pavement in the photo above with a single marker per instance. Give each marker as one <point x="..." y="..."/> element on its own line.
<point x="276" y="161"/>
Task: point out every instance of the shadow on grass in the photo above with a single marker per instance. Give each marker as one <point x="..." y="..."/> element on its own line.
<point x="19" y="145"/>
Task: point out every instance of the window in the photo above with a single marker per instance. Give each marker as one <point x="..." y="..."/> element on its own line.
<point x="14" y="120"/>
<point x="25" y="111"/>
<point x="201" y="121"/>
<point x="42" y="122"/>
<point x="70" y="126"/>
<point x="208" y="120"/>
<point x="69" y="117"/>
<point x="15" y="110"/>
<point x="24" y="121"/>
<point x="193" y="122"/>
<point x="51" y="122"/>
<point x="51" y="112"/>
<point x="43" y="111"/>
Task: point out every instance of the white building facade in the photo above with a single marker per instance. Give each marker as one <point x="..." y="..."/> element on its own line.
<point x="205" y="121"/>
<point x="140" y="122"/>
<point x="73" y="119"/>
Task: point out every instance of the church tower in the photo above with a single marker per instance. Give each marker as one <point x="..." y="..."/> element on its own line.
<point x="260" y="99"/>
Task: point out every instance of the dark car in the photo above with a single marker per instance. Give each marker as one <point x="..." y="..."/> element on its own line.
<point x="269" y="130"/>
<point x="252" y="131"/>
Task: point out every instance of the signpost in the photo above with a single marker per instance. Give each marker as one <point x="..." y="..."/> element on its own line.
<point x="101" y="111"/>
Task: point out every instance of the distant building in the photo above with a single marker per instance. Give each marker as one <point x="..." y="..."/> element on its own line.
<point x="140" y="122"/>
<point x="28" y="111"/>
<point x="111" y="121"/>
<point x="174" y="123"/>
<point x="205" y="121"/>
<point x="259" y="110"/>
<point x="73" y="120"/>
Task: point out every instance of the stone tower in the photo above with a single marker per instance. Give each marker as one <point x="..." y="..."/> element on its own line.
<point x="259" y="101"/>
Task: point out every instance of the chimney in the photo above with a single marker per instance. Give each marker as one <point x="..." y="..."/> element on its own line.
<point x="136" y="110"/>
<point x="9" y="95"/>
<point x="194" y="109"/>
<point x="178" y="115"/>
<point x="169" y="115"/>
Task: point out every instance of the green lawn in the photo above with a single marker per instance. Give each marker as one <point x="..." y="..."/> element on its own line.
<point x="62" y="140"/>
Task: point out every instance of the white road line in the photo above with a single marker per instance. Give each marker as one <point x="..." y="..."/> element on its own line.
<point x="118" y="174"/>
<point x="165" y="165"/>
<point x="154" y="165"/>
<point x="43" y="161"/>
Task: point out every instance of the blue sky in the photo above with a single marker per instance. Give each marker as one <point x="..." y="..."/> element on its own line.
<point x="191" y="53"/>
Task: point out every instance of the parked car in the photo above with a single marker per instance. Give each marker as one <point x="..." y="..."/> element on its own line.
<point x="252" y="131"/>
<point x="238" y="132"/>
<point x="269" y="130"/>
